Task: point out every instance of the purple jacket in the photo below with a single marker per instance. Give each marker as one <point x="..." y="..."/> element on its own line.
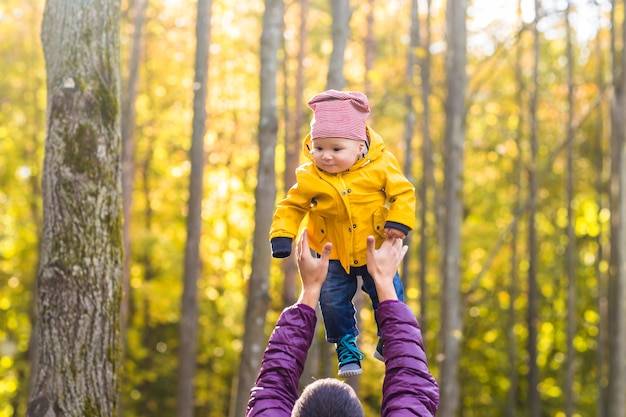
<point x="409" y="389"/>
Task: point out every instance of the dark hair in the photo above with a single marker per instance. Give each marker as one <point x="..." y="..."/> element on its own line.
<point x="328" y="397"/>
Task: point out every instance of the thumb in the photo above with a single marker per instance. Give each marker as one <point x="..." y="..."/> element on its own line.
<point x="405" y="248"/>
<point x="371" y="244"/>
<point x="325" y="255"/>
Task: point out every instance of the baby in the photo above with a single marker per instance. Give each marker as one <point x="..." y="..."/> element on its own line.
<point x="350" y="188"/>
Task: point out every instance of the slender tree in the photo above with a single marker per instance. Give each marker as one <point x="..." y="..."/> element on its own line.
<point x="617" y="281"/>
<point x="80" y="270"/>
<point x="533" y="371"/>
<point x="601" y="193"/>
<point x="265" y="196"/>
<point x="188" y="328"/>
<point x="342" y="14"/>
<point x="293" y="139"/>
<point x="514" y="286"/>
<point x="409" y="97"/>
<point x="571" y="238"/>
<point x="451" y="319"/>
<point x="370" y="48"/>
<point x="293" y="149"/>
<point x="428" y="184"/>
<point x="129" y="114"/>
<point x="145" y="315"/>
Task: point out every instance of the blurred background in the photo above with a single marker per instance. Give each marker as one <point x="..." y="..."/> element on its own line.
<point x="537" y="153"/>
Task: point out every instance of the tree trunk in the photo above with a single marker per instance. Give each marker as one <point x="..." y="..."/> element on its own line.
<point x="341" y="32"/>
<point x="428" y="174"/>
<point x="369" y="56"/>
<point x="409" y="123"/>
<point x="370" y="49"/>
<point x="265" y="195"/>
<point x="293" y="142"/>
<point x="616" y="403"/>
<point x="149" y="333"/>
<point x="514" y="279"/>
<point x="451" y="320"/>
<point x="187" y="349"/>
<point x="342" y="14"/>
<point x="601" y="161"/>
<point x="128" y="159"/>
<point x="571" y="237"/>
<point x="80" y="270"/>
<point x="533" y="372"/>
<point x="294" y="149"/>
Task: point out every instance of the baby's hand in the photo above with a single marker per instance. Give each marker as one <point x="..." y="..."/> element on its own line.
<point x="394" y="233"/>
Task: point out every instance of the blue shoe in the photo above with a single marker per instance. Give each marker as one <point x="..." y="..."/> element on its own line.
<point x="378" y="353"/>
<point x="349" y="357"/>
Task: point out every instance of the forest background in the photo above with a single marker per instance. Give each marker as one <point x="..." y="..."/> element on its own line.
<point x="540" y="165"/>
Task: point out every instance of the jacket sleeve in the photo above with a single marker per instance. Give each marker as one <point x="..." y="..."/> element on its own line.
<point x="409" y="388"/>
<point x="400" y="193"/>
<point x="291" y="210"/>
<point x="276" y="388"/>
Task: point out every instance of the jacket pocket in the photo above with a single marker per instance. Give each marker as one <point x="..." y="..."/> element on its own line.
<point x="318" y="230"/>
<point x="379" y="217"/>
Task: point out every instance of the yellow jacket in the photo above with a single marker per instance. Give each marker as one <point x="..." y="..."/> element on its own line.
<point x="345" y="208"/>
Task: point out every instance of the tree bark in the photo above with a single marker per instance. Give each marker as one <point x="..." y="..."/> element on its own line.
<point x="80" y="270"/>
<point x="451" y="320"/>
<point x="265" y="196"/>
<point x="187" y="350"/>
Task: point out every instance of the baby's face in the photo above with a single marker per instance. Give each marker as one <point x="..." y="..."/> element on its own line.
<point x="335" y="155"/>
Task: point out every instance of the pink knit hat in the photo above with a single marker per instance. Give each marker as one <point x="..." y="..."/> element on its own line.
<point x="339" y="114"/>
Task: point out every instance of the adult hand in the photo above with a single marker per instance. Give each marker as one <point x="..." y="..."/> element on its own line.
<point x="312" y="270"/>
<point x="383" y="263"/>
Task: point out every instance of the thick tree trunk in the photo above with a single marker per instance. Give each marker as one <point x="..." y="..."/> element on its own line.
<point x="451" y="322"/>
<point x="80" y="271"/>
<point x="187" y="349"/>
<point x="265" y="195"/>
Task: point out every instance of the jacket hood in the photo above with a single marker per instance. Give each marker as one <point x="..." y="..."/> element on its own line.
<point x="376" y="149"/>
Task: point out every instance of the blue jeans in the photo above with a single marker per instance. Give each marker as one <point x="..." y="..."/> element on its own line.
<point x="336" y="299"/>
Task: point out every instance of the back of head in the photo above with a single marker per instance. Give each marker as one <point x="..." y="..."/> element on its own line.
<point x="328" y="397"/>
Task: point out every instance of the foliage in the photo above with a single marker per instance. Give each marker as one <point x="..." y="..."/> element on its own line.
<point x="22" y="104"/>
